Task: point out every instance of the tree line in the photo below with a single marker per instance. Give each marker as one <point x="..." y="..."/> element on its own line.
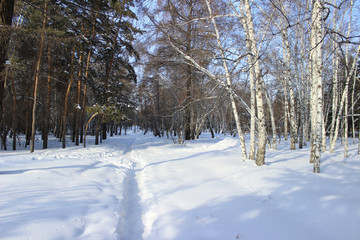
<point x="263" y="69"/>
<point x="62" y="62"/>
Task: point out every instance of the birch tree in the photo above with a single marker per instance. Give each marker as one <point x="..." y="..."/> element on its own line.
<point x="335" y="67"/>
<point x="316" y="42"/>
<point x="252" y="74"/>
<point x="228" y="81"/>
<point x="343" y="105"/>
<point x="287" y="79"/>
<point x="255" y="57"/>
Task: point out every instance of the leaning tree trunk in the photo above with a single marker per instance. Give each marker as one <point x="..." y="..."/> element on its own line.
<point x="229" y="85"/>
<point x="32" y="143"/>
<point x="87" y="125"/>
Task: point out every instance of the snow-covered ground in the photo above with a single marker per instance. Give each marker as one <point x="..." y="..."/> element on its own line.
<point x="141" y="187"/>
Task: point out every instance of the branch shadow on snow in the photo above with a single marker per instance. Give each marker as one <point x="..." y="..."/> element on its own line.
<point x="300" y="207"/>
<point x="293" y="203"/>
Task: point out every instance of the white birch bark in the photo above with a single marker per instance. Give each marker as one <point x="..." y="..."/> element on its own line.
<point x="287" y="56"/>
<point x="346" y="133"/>
<point x="260" y="154"/>
<point x="335" y="92"/>
<point x="229" y="84"/>
<point x="252" y="90"/>
<point x="304" y="92"/>
<point x="323" y="134"/>
<point x="286" y="110"/>
<point x="346" y="126"/>
<point x="353" y="110"/>
<point x="342" y="102"/>
<point x="316" y="90"/>
<point x="345" y="93"/>
<point x="228" y="80"/>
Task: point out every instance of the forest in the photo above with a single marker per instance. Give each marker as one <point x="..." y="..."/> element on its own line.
<point x="262" y="71"/>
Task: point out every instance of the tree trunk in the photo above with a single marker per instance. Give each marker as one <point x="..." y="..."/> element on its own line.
<point x="293" y="139"/>
<point x="87" y="125"/>
<point x="85" y="84"/>
<point x="352" y="108"/>
<point x="334" y="93"/>
<point x="48" y="101"/>
<point x="229" y="86"/>
<point x="346" y="127"/>
<point x="97" y="132"/>
<point x="32" y="143"/>
<point x="252" y="104"/>
<point x="67" y="96"/>
<point x="272" y="118"/>
<point x="317" y="68"/>
<point x="189" y="76"/>
<point x="78" y="106"/>
<point x="104" y="131"/>
<point x="252" y="91"/>
<point x="6" y="16"/>
<point x="288" y="82"/>
<point x="301" y="126"/>
<point x="260" y="155"/>
<point x="342" y="102"/>
<point x="14" y="117"/>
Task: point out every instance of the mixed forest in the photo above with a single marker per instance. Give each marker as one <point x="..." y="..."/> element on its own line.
<point x="258" y="70"/>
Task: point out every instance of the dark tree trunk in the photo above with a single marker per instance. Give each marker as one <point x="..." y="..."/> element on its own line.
<point x="6" y="15"/>
<point x="48" y="102"/>
<point x="14" y="117"/>
<point x="104" y="128"/>
<point x="97" y="130"/>
<point x="33" y="124"/>
<point x="187" y="120"/>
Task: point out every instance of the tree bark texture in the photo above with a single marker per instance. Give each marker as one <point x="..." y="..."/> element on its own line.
<point x="32" y="143"/>
<point x="261" y="150"/>
<point x="317" y="68"/>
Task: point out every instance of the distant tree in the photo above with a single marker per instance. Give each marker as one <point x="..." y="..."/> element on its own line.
<point x="6" y="16"/>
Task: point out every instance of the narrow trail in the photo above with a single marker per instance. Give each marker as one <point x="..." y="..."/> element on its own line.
<point x="130" y="224"/>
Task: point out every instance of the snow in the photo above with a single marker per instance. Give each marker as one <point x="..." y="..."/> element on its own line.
<point x="141" y="187"/>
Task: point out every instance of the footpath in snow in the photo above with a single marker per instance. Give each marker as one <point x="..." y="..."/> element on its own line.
<point x="140" y="187"/>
